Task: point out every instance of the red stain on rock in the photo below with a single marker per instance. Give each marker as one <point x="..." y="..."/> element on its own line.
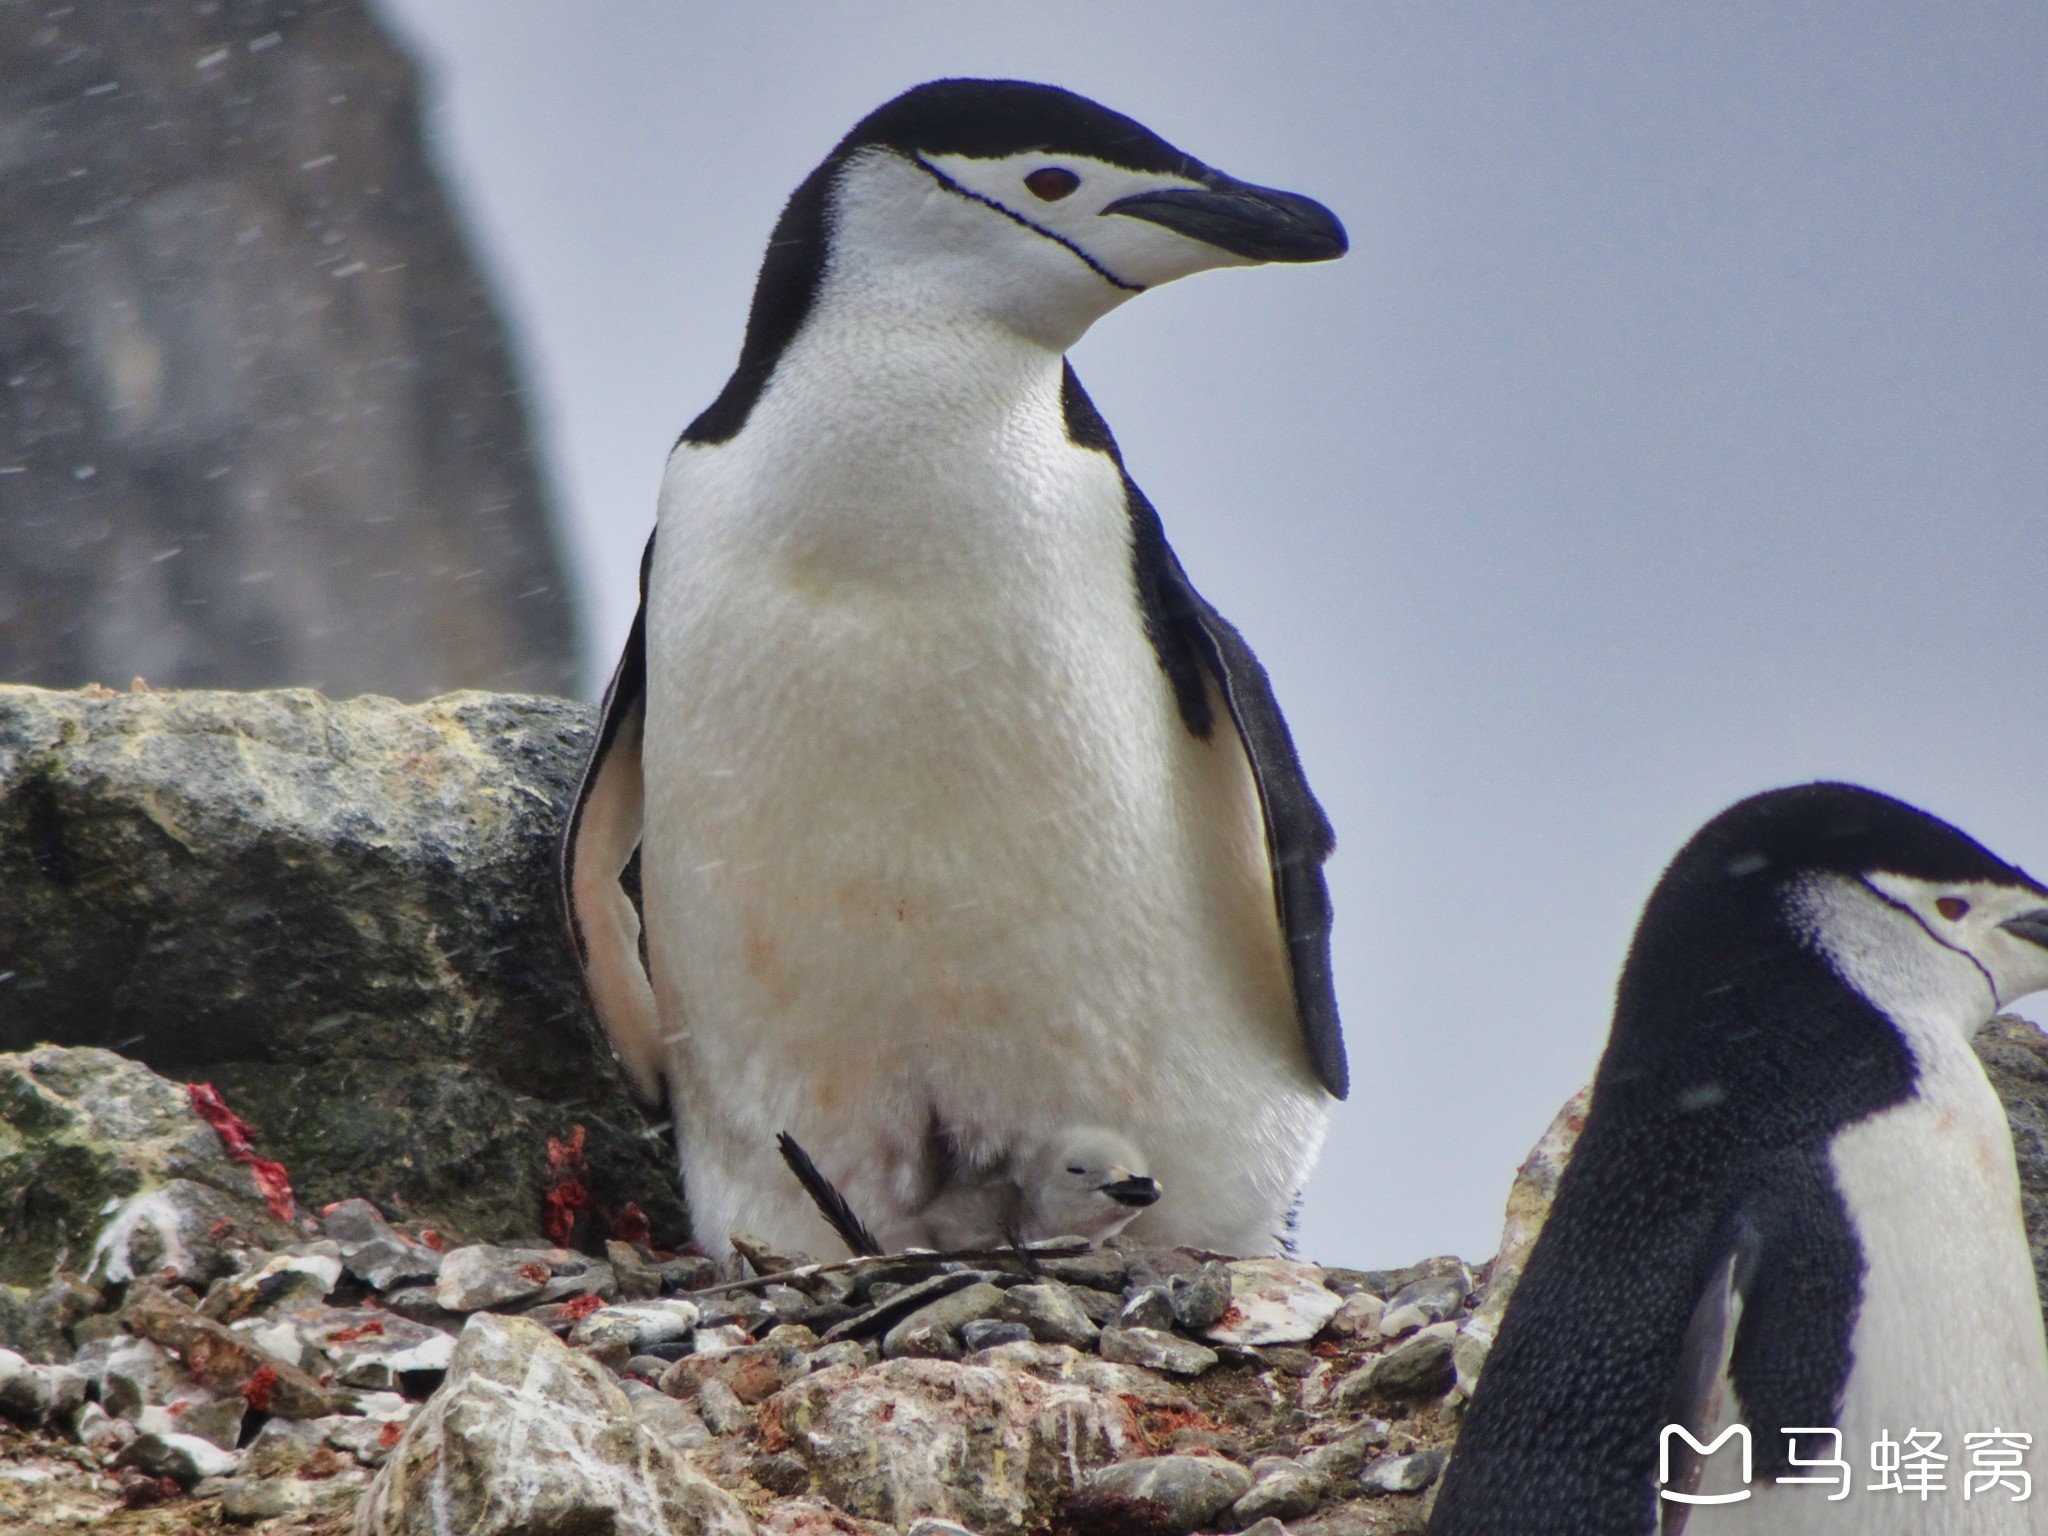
<point x="271" y="1179"/>
<point x="537" y="1273"/>
<point x="360" y="1331"/>
<point x="256" y="1390"/>
<point x="628" y="1224"/>
<point x="567" y="1198"/>
<point x="433" y="1240"/>
<point x="388" y="1436"/>
<point x="576" y="1308"/>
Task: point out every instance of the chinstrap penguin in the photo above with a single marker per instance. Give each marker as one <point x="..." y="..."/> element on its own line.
<point x="1794" y="1203"/>
<point x="962" y="816"/>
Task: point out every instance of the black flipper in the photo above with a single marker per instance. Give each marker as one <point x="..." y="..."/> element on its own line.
<point x="825" y="1195"/>
<point x="598" y="840"/>
<point x="1195" y="645"/>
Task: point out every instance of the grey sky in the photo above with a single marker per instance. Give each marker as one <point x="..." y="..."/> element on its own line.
<point x="1678" y="427"/>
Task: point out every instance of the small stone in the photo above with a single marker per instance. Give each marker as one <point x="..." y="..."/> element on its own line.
<point x="781" y="1473"/>
<point x="786" y="1301"/>
<point x="888" y="1311"/>
<point x="932" y="1332"/>
<point x="1274" y="1301"/>
<point x="1051" y="1313"/>
<point x="636" y="1326"/>
<point x="183" y="1458"/>
<point x="1266" y="1527"/>
<point x="764" y="1258"/>
<point x="754" y="1372"/>
<point x="481" y="1276"/>
<point x="1288" y="1360"/>
<point x="932" y="1525"/>
<point x="1281" y="1493"/>
<point x="1358" y="1317"/>
<point x="1150" y="1307"/>
<point x="25" y="1391"/>
<point x="225" y="1361"/>
<point x="1099" y="1307"/>
<point x="1403" y="1474"/>
<point x="416" y="1304"/>
<point x="1192" y="1490"/>
<point x="740" y="1309"/>
<point x="246" y="1500"/>
<point x="687" y="1272"/>
<point x="372" y="1350"/>
<point x="1201" y="1299"/>
<point x="99" y="1431"/>
<point x="724" y="1413"/>
<point x="1102" y="1270"/>
<point x="990" y="1333"/>
<point x="1340" y="1459"/>
<point x="848" y="1352"/>
<point x="1156" y="1350"/>
<point x="1416" y="1370"/>
<point x="281" y="1447"/>
<point x="638" y="1279"/>
<point x="716" y="1341"/>
<point x="218" y="1422"/>
<point x="673" y="1423"/>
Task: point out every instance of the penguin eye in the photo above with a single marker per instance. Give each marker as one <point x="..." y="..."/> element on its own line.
<point x="1049" y="184"/>
<point x="1953" y="908"/>
<point x="1078" y="1170"/>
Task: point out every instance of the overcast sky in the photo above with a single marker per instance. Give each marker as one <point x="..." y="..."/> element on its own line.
<point x="1677" y="428"/>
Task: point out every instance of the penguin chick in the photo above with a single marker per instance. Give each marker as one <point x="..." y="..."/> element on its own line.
<point x="956" y="803"/>
<point x="1794" y="1205"/>
<point x="1082" y="1181"/>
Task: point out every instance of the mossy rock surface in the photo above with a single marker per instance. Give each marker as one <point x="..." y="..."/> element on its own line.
<point x="345" y="916"/>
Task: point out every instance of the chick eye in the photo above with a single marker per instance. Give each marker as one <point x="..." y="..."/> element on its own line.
<point x="1051" y="183"/>
<point x="1077" y="1170"/>
<point x="1954" y="908"/>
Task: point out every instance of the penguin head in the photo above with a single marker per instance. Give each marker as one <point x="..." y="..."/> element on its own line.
<point x="1809" y="946"/>
<point x="1039" y="208"/>
<point x="1084" y="1181"/>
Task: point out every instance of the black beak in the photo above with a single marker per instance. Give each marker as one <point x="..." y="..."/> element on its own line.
<point x="2031" y="926"/>
<point x="1235" y="216"/>
<point x="1133" y="1191"/>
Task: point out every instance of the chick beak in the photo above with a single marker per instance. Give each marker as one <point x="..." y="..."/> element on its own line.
<point x="2031" y="926"/>
<point x="1132" y="1190"/>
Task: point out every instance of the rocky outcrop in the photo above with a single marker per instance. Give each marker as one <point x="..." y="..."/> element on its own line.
<point x="344" y="918"/>
<point x="260" y="423"/>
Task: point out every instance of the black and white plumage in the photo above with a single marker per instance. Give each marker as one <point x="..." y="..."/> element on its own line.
<point x="958" y="807"/>
<point x="1794" y="1202"/>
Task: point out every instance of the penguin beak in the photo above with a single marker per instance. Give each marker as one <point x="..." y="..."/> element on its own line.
<point x="2031" y="926"/>
<point x="1136" y="1190"/>
<point x="1256" y="223"/>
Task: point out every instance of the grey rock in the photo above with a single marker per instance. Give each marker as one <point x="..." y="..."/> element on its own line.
<point x="932" y="1526"/>
<point x="268" y="426"/>
<point x="1281" y="1493"/>
<point x="933" y="1331"/>
<point x="1340" y="1459"/>
<point x="1403" y="1474"/>
<point x="342" y="915"/>
<point x="1099" y="1307"/>
<point x="527" y="1435"/>
<point x="373" y="1350"/>
<point x="995" y="1450"/>
<point x="891" y="1305"/>
<point x="26" y="1392"/>
<point x="1103" y="1269"/>
<point x="126" y="1178"/>
<point x="1430" y="1299"/>
<point x="1150" y="1306"/>
<point x="39" y="1325"/>
<point x="988" y="1333"/>
<point x="674" y="1424"/>
<point x="480" y="1276"/>
<point x="614" y="1334"/>
<point x="1274" y="1301"/>
<point x="638" y="1279"/>
<point x="1192" y="1490"/>
<point x="851" y="1353"/>
<point x="724" y="1413"/>
<point x="1269" y="1526"/>
<point x="2015" y="1057"/>
<point x="247" y="1500"/>
<point x="1156" y="1350"/>
<point x="1051" y="1313"/>
<point x="183" y="1458"/>
<point x="1201" y="1299"/>
<point x="218" y="1422"/>
<point x="1415" y="1370"/>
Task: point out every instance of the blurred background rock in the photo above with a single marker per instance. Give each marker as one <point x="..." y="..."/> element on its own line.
<point x="260" y="423"/>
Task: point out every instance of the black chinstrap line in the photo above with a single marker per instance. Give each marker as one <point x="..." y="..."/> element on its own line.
<point x="1037" y="229"/>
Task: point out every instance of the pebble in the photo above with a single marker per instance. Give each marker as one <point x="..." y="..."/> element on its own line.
<point x="1102" y="1270"/>
<point x="1156" y="1350"/>
<point x="1149" y="1307"/>
<point x="1415" y="1370"/>
<point x="1274" y="1301"/>
<point x="481" y="1276"/>
<point x="932" y="1331"/>
<point x="1192" y="1490"/>
<point x="991" y="1333"/>
<point x="1359" y="1316"/>
<point x="1201" y="1299"/>
<point x="1340" y="1459"/>
<point x="1283" y="1492"/>
<point x="724" y="1413"/>
<point x="183" y="1458"/>
<point x="1052" y="1315"/>
<point x="1431" y="1299"/>
<point x="1403" y="1474"/>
